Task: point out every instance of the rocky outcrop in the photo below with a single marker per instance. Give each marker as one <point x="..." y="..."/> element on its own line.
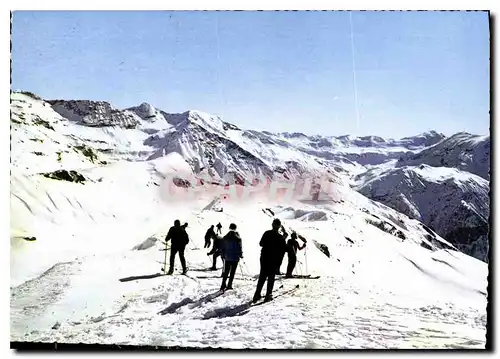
<point x="94" y="113"/>
<point x="64" y="175"/>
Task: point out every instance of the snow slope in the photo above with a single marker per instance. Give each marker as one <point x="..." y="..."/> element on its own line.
<point x="389" y="281"/>
<point x="405" y="296"/>
<point x="453" y="203"/>
<point x="66" y="218"/>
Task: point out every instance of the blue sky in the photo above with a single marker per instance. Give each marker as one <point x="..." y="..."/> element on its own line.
<point x="278" y="71"/>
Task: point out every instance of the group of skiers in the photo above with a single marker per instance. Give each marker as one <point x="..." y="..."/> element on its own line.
<point x="229" y="247"/>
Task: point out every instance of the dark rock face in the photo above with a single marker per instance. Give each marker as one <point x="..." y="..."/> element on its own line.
<point x="64" y="175"/>
<point x="94" y="113"/>
<point x="181" y="182"/>
<point x="322" y="247"/>
<point x="473" y="240"/>
<point x="230" y="126"/>
<point x="387" y="227"/>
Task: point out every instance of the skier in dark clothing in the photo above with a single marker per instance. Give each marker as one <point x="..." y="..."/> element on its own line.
<point x="292" y="246"/>
<point x="278" y="271"/>
<point x="208" y="236"/>
<point x="273" y="245"/>
<point x="219" y="228"/>
<point x="231" y="252"/>
<point x="216" y="251"/>
<point x="180" y="239"/>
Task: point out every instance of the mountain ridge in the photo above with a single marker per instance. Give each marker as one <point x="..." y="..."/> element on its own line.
<point x="92" y="133"/>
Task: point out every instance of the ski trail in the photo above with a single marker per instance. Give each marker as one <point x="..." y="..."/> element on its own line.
<point x="23" y="202"/>
<point x="48" y="288"/>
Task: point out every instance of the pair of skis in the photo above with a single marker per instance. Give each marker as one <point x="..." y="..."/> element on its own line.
<point x="263" y="301"/>
<point x="305" y="276"/>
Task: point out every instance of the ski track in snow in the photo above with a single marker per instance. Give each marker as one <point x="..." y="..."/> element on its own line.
<point x="47" y="288"/>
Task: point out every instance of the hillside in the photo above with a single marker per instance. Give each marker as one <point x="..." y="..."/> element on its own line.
<point x="470" y="153"/>
<point x="93" y="195"/>
<point x="454" y="203"/>
<point x="94" y="132"/>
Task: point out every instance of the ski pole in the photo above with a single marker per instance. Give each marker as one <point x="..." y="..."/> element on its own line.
<point x="300" y="268"/>
<point x="241" y="270"/>
<point x="241" y="267"/>
<point x="165" y="260"/>
<point x="246" y="268"/>
<point x="305" y="255"/>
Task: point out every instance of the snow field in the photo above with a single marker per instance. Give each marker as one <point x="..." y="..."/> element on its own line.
<point x="385" y="303"/>
<point x="375" y="291"/>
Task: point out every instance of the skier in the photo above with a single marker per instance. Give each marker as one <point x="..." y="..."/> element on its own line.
<point x="215" y="251"/>
<point x="278" y="271"/>
<point x="292" y="246"/>
<point x="231" y="252"/>
<point x="185" y="225"/>
<point x="273" y="248"/>
<point x="209" y="235"/>
<point x="219" y="228"/>
<point x="180" y="239"/>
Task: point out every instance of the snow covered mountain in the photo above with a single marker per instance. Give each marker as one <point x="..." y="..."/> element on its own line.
<point x="452" y="202"/>
<point x="224" y="153"/>
<point x="463" y="151"/>
<point x="445" y="185"/>
<point x="94" y="190"/>
<point x="205" y="143"/>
